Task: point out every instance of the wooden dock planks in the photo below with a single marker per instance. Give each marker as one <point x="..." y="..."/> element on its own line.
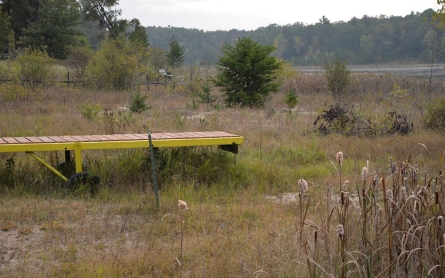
<point x="111" y="141"/>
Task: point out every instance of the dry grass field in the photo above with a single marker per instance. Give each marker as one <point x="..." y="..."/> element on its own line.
<point x="247" y="214"/>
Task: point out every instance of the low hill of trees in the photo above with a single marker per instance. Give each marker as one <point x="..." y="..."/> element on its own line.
<point x="59" y="26"/>
<point x="359" y="41"/>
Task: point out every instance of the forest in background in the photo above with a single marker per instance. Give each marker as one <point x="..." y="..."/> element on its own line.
<point x="59" y="26"/>
<point x="384" y="39"/>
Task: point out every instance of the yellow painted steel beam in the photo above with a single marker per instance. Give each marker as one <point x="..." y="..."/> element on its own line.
<point x="162" y="143"/>
<point x="47" y="165"/>
<point x="129" y="144"/>
<point x="77" y="147"/>
<point x="78" y="157"/>
<point x="37" y="147"/>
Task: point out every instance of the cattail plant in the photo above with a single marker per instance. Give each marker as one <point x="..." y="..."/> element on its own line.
<point x="342" y="238"/>
<point x="392" y="167"/>
<point x="303" y="186"/>
<point x="182" y="206"/>
<point x="339" y="159"/>
<point x="365" y="172"/>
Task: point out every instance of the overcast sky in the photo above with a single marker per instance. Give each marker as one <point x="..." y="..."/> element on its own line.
<point x="211" y="15"/>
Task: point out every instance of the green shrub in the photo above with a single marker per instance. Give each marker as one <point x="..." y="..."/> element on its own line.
<point x="194" y="165"/>
<point x="78" y="61"/>
<point x="118" y="65"/>
<point x="91" y="111"/>
<point x="434" y="118"/>
<point x="35" y="70"/>
<point x="15" y="92"/>
<point x="338" y="77"/>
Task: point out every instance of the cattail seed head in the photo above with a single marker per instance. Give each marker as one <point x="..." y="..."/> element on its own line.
<point x="422" y="192"/>
<point x="375" y="180"/>
<point x="389" y="194"/>
<point x="339" y="157"/>
<point x="416" y="208"/>
<point x="345" y="185"/>
<point x="364" y="172"/>
<point x="403" y="195"/>
<point x="303" y="186"/>
<point x="182" y="205"/>
<point x="340" y="231"/>
<point x="346" y="199"/>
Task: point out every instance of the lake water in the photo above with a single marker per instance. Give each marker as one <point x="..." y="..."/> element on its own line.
<point x="409" y="70"/>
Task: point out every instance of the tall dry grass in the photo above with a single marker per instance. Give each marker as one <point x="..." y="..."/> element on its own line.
<point x="248" y="219"/>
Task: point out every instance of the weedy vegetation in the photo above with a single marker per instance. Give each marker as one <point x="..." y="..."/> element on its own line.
<point x="363" y="198"/>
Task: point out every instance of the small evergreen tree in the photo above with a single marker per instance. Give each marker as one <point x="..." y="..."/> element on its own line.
<point x="175" y="56"/>
<point x="291" y="99"/>
<point x="138" y="103"/>
<point x="205" y="96"/>
<point x="138" y="35"/>
<point x="247" y="73"/>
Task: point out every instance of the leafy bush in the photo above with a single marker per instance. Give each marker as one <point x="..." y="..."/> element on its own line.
<point x="78" y="61"/>
<point x="91" y="111"/>
<point x="118" y="65"/>
<point x="337" y="76"/>
<point x="434" y="118"/>
<point x="35" y="70"/>
<point x="200" y="166"/>
<point x="14" y="92"/>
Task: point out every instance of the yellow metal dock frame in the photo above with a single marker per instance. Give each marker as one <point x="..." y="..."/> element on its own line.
<point x="30" y="145"/>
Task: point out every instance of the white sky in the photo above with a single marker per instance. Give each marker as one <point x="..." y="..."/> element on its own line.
<point x="211" y="15"/>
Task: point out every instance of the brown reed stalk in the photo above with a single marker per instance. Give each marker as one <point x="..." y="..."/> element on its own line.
<point x="182" y="241"/>
<point x="365" y="217"/>
<point x="342" y="237"/>
<point x="339" y="159"/>
<point x="442" y="254"/>
<point x="307" y="259"/>
<point x="328" y="205"/>
<point x="182" y="207"/>
<point x="302" y="216"/>
<point x="389" y="217"/>
<point x="300" y="230"/>
<point x="315" y="250"/>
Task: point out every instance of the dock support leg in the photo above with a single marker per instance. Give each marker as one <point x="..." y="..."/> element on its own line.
<point x="78" y="157"/>
<point x="67" y="157"/>
<point x="153" y="169"/>
<point x="47" y="165"/>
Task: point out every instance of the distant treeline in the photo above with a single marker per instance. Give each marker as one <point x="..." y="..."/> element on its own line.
<point x="359" y="41"/>
<point x="63" y="26"/>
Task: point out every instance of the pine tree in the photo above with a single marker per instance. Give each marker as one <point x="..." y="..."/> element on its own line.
<point x="247" y="73"/>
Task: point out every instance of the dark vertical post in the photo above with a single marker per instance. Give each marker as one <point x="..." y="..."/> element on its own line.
<point x="153" y="170"/>
<point x="148" y="84"/>
<point x="67" y="157"/>
<point x="68" y="75"/>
